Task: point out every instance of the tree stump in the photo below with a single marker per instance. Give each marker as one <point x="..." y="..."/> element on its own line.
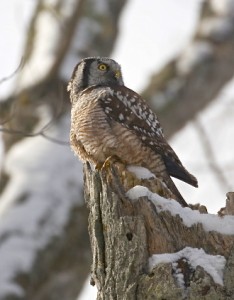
<point x="131" y="227"/>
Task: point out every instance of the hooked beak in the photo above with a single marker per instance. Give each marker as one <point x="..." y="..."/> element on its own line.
<point x="117" y="74"/>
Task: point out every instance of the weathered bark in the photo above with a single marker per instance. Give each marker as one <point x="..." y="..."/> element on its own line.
<point x="125" y="233"/>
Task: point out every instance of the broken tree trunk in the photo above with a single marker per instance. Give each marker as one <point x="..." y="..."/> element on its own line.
<point x="128" y="231"/>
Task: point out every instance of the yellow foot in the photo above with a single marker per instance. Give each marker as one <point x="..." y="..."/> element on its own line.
<point x="113" y="159"/>
<point x="98" y="166"/>
<point x="113" y="168"/>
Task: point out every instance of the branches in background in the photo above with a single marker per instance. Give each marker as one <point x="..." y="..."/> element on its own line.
<point x="210" y="157"/>
<point x="5" y="124"/>
<point x="20" y="66"/>
<point x="187" y="84"/>
<point x="41" y="132"/>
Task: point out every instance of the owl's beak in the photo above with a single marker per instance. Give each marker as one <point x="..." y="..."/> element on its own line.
<point x="117" y="74"/>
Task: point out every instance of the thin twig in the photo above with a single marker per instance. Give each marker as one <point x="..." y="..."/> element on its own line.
<point x="20" y="66"/>
<point x="39" y="133"/>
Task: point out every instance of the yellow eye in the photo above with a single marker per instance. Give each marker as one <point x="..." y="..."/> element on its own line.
<point x="102" y="67"/>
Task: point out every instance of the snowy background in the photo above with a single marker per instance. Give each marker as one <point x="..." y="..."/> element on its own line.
<point x="137" y="55"/>
<point x="171" y="26"/>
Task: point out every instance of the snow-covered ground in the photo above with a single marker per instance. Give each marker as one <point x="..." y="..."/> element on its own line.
<point x="149" y="36"/>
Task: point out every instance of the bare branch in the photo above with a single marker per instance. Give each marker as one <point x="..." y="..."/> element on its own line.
<point x="210" y="157"/>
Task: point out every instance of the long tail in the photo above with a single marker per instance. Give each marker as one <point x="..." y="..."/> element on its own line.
<point x="176" y="169"/>
<point x="170" y="184"/>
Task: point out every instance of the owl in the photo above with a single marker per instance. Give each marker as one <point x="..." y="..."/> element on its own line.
<point x="110" y="120"/>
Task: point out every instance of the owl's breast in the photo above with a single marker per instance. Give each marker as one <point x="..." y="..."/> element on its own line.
<point x="91" y="129"/>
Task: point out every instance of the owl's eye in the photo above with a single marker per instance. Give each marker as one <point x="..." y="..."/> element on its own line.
<point x="102" y="67"/>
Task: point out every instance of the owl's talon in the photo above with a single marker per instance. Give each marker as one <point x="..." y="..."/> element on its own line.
<point x="110" y="161"/>
<point x="98" y="166"/>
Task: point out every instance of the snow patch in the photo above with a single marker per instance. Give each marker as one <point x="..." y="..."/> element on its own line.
<point x="178" y="275"/>
<point x="140" y="172"/>
<point x="212" y="264"/>
<point x="210" y="222"/>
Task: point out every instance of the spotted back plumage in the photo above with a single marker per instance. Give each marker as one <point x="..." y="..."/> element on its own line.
<point x="128" y="108"/>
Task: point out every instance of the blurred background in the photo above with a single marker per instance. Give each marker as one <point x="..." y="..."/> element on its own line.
<point x="178" y="54"/>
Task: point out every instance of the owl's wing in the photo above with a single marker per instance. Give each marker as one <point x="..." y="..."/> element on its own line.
<point x="128" y="108"/>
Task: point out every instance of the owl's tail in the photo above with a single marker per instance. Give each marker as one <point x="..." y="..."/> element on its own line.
<point x="176" y="169"/>
<point x="171" y="186"/>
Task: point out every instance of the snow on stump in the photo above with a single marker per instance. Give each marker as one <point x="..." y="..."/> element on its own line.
<point x="146" y="246"/>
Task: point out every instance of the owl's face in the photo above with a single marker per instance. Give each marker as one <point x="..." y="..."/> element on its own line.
<point x="95" y="71"/>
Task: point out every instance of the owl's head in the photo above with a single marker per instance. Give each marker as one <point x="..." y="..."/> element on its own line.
<point x="91" y="71"/>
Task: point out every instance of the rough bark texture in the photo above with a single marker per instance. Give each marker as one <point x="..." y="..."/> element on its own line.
<point x="125" y="233"/>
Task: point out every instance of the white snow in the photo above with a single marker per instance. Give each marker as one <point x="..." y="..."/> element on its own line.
<point x="88" y="291"/>
<point x="212" y="264"/>
<point x="178" y="275"/>
<point x="46" y="179"/>
<point x="140" y="172"/>
<point x="224" y="225"/>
